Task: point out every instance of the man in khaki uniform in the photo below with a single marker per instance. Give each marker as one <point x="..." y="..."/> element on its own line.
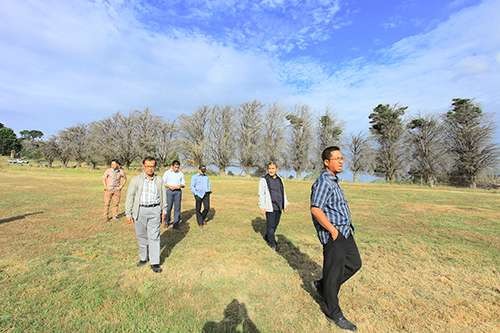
<point x="113" y="180"/>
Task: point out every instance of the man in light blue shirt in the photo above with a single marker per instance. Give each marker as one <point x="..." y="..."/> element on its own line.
<point x="173" y="180"/>
<point x="201" y="188"/>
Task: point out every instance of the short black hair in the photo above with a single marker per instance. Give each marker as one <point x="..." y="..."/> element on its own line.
<point x="268" y="164"/>
<point x="149" y="158"/>
<point x="327" y="152"/>
<point x="176" y="162"/>
<point x="202" y="166"/>
<point x="116" y="161"/>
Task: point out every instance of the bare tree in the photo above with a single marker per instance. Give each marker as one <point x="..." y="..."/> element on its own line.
<point x="249" y="134"/>
<point x="193" y="130"/>
<point x="94" y="151"/>
<point x="146" y="127"/>
<point x="72" y="141"/>
<point x="50" y="150"/>
<point x="359" y="154"/>
<point x="427" y="149"/>
<point x="300" y="122"/>
<point x="221" y="137"/>
<point x="122" y="138"/>
<point x="387" y="128"/>
<point x="469" y="137"/>
<point x="273" y="139"/>
<point x="164" y="142"/>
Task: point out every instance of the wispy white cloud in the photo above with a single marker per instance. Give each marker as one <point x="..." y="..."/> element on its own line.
<point x="64" y="62"/>
<point x="268" y="25"/>
<point x="459" y="58"/>
<point x="80" y="61"/>
<point x="393" y="22"/>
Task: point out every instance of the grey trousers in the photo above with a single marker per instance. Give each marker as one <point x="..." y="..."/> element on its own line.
<point x="174" y="199"/>
<point x="147" y="231"/>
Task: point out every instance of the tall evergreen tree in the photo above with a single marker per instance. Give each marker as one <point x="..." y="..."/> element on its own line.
<point x="387" y="128"/>
<point x="469" y="137"/>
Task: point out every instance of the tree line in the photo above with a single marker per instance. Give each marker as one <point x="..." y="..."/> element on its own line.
<point x="453" y="148"/>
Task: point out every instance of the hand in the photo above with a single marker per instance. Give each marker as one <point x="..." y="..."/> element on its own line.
<point x="335" y="234"/>
<point x="263" y="211"/>
<point x="163" y="217"/>
<point x="130" y="220"/>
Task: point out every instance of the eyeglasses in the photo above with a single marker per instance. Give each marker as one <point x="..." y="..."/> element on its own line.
<point x="336" y="159"/>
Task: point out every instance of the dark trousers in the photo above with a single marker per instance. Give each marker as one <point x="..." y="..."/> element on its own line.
<point x="202" y="215"/>
<point x="340" y="261"/>
<point x="174" y="200"/>
<point x="272" y="221"/>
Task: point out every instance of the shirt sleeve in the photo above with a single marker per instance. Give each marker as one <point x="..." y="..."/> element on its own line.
<point x="183" y="181"/>
<point x="320" y="193"/>
<point x="193" y="186"/>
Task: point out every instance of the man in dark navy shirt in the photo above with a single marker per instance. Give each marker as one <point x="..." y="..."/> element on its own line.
<point x="332" y="219"/>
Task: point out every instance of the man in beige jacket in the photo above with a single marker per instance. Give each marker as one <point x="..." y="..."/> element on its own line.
<point x="145" y="202"/>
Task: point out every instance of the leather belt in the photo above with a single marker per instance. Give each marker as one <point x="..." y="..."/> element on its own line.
<point x="149" y="206"/>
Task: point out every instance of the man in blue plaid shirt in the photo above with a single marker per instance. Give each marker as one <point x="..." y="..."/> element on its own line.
<point x="332" y="219"/>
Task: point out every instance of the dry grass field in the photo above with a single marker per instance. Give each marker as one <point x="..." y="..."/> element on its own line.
<point x="431" y="260"/>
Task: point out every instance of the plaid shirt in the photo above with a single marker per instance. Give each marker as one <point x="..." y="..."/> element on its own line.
<point x="327" y="195"/>
<point x="150" y="193"/>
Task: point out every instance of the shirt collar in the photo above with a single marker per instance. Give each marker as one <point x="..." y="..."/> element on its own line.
<point x="331" y="175"/>
<point x="146" y="176"/>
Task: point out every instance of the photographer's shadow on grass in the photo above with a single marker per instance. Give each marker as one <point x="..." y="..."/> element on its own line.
<point x="18" y="217"/>
<point x="171" y="237"/>
<point x="307" y="268"/>
<point x="235" y="320"/>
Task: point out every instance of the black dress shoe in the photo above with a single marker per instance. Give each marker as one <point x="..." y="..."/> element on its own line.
<point x="343" y="323"/>
<point x="156" y="268"/>
<point x="141" y="263"/>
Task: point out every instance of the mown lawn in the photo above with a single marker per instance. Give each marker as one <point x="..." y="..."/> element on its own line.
<point x="431" y="261"/>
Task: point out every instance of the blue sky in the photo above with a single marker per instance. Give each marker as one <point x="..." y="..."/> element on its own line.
<point x="64" y="62"/>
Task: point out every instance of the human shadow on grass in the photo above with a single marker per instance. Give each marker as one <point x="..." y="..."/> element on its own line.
<point x="171" y="237"/>
<point x="307" y="268"/>
<point x="187" y="214"/>
<point x="259" y="226"/>
<point x="18" y="217"/>
<point x="235" y="320"/>
<point x="210" y="215"/>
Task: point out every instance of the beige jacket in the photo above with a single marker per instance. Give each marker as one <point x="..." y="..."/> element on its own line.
<point x="134" y="193"/>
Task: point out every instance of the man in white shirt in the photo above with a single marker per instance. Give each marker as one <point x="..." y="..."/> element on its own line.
<point x="173" y="180"/>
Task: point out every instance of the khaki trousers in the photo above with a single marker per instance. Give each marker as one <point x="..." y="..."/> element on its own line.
<point x="111" y="198"/>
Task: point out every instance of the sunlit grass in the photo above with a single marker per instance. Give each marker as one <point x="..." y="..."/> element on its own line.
<point x="430" y="261"/>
